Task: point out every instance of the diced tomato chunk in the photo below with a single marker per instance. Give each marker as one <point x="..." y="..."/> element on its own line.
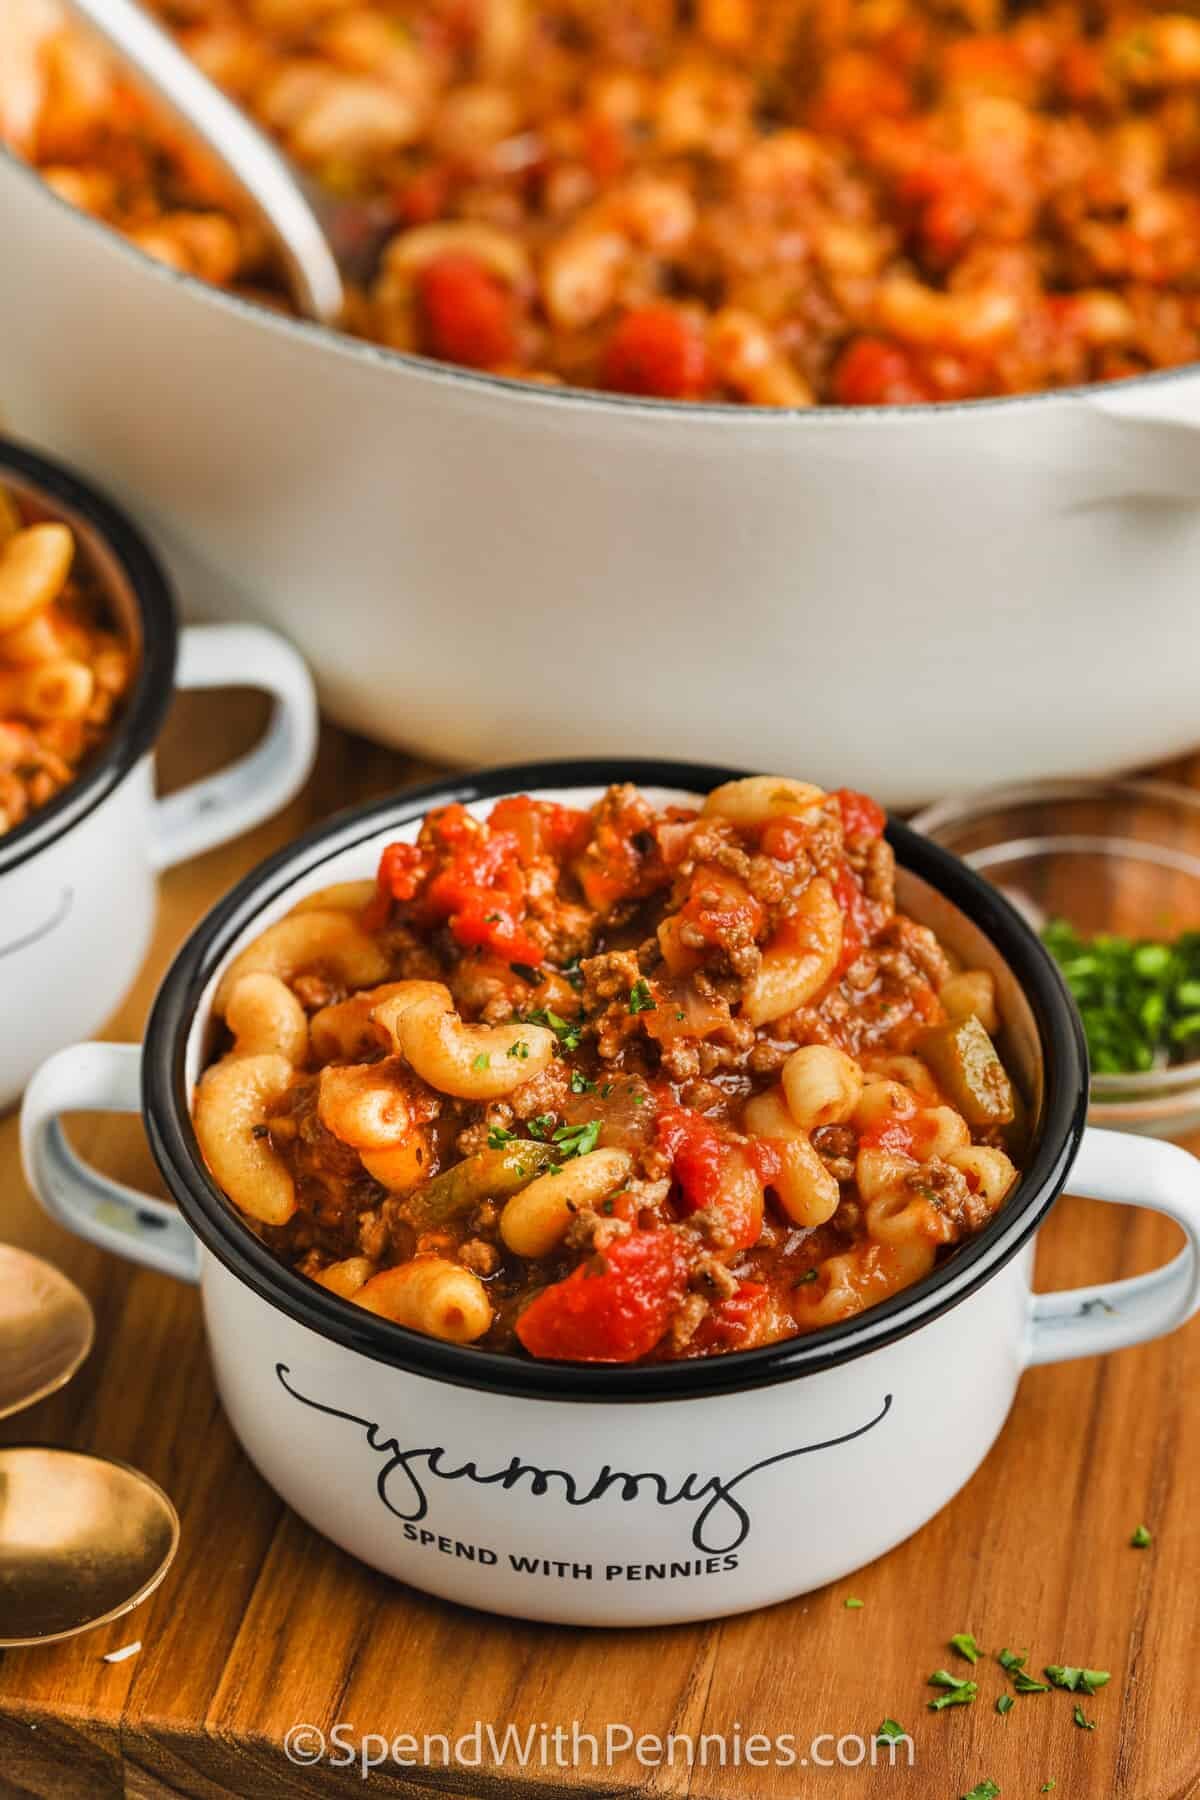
<point x="722" y="908"/>
<point x="730" y="1322"/>
<point x="423" y="197"/>
<point x="784" y="837"/>
<point x="657" y="350"/>
<point x="862" y="817"/>
<point x="468" y="314"/>
<point x="712" y="1173"/>
<point x="613" y="1308"/>
<point x="542" y="827"/>
<point x="857" y="922"/>
<point x="604" y="149"/>
<point x="874" y="372"/>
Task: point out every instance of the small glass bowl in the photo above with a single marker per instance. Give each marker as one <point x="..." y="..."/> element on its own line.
<point x="1107" y="856"/>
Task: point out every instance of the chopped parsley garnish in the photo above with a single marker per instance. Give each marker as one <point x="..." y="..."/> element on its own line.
<point x="1139" y="999"/>
<point x="1008" y="1659"/>
<point x="1077" y="1681"/>
<point x="1005" y="1704"/>
<point x="852" y="1603"/>
<point x="1141" y="1539"/>
<point x="573" y="973"/>
<point x="520" y="1050"/>
<point x="577" y="1140"/>
<point x="983" y="1790"/>
<point x="498" y="1137"/>
<point x="568" y="1035"/>
<point x="608" y="1090"/>
<point x="944" y="1679"/>
<point x="541" y="1125"/>
<point x="889" y="1731"/>
<point x="580" y="1084"/>
<point x="640" y="998"/>
<point x="964" y="1643"/>
<point x="962" y="1695"/>
<point x="1083" y="1724"/>
<point x="808" y="1275"/>
<point x="1025" y="1684"/>
<point x="1047" y="1786"/>
<point x="527" y="973"/>
<point x="482" y="1061"/>
<point x="639" y="1099"/>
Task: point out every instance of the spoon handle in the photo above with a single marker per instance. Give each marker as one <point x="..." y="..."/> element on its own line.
<point x="263" y="174"/>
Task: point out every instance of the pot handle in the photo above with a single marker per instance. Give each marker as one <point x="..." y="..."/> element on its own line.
<point x="98" y="1078"/>
<point x="1144" y="440"/>
<point x="1089" y="1321"/>
<point x="260" y="783"/>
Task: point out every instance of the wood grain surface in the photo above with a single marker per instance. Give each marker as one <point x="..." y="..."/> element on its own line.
<point x="262" y="1625"/>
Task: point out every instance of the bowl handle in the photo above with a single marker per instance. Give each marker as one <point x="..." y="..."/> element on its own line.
<point x="260" y="783"/>
<point x="1089" y="1321"/>
<point x="98" y="1078"/>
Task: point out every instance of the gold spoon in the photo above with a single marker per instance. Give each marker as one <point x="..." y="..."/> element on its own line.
<point x="46" y="1329"/>
<point x="83" y="1539"/>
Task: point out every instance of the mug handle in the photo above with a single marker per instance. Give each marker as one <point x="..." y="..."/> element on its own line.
<point x="258" y="784"/>
<point x="1089" y="1321"/>
<point x="98" y="1078"/>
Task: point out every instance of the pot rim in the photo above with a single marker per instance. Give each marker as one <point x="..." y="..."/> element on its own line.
<point x="146" y="707"/>
<point x="360" y="350"/>
<point x="230" y="1240"/>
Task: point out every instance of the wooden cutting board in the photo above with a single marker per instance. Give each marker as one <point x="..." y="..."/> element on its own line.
<point x="262" y="1626"/>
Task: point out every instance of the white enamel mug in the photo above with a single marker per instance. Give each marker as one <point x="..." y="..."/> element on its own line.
<point x="601" y="1495"/>
<point x="78" y="876"/>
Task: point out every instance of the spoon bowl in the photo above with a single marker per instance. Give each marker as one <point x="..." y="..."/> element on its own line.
<point x="83" y="1539"/>
<point x="46" y="1329"/>
<point x="306" y="229"/>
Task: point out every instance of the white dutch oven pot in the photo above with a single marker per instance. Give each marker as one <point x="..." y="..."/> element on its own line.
<point x="603" y="1495"/>
<point x="77" y="878"/>
<point x="724" y="582"/>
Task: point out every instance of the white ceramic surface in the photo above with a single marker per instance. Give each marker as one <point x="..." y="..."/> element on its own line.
<point x="906" y="599"/>
<point x="77" y="913"/>
<point x="594" y="1511"/>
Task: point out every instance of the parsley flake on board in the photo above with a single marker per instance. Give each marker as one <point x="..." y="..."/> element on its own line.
<point x="1025" y="1684"/>
<point x="961" y="1696"/>
<point x="1083" y="1724"/>
<point x="964" y="1643"/>
<point x="853" y="1604"/>
<point x="1141" y="1539"/>
<point x="1047" y="1786"/>
<point x="1005" y="1704"/>
<point x="640" y="998"/>
<point x="1009" y="1660"/>
<point x="983" y="1790"/>
<point x="1081" y="1681"/>
<point x="890" y="1731"/>
<point x="958" y="1693"/>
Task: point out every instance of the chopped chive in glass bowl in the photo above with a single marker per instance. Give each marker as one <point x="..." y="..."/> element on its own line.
<point x="1108" y="873"/>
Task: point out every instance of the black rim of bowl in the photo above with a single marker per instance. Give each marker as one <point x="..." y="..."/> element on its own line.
<point x="221" y="1230"/>
<point x="62" y="490"/>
